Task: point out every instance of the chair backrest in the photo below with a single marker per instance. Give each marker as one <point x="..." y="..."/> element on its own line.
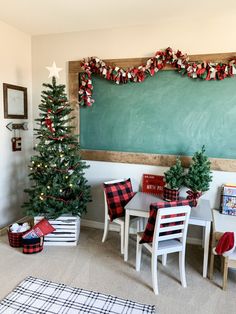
<point x="105" y="197"/>
<point x="171" y="223"/>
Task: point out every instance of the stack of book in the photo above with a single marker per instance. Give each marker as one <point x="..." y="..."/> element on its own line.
<point x="228" y="199"/>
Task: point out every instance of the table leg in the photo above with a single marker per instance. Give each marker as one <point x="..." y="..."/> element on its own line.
<point x="206" y="247"/>
<point x="126" y="246"/>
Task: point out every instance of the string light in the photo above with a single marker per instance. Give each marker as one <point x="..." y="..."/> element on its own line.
<point x="48" y="187"/>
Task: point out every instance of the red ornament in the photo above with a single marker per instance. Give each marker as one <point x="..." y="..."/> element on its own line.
<point x="49" y="122"/>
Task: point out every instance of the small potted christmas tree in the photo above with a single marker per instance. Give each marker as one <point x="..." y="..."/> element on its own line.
<point x="199" y="175"/>
<point x="174" y="179"/>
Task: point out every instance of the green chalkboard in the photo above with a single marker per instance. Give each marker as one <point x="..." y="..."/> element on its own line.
<point x="166" y="114"/>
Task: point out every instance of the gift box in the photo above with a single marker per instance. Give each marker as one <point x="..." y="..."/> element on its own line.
<point x="31" y="246"/>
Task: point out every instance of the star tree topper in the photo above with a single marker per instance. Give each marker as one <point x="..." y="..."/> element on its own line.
<point x="53" y="70"/>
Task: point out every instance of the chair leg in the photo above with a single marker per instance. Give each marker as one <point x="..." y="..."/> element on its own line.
<point x="122" y="238"/>
<point x="164" y="259"/>
<point x="154" y="273"/>
<point x="211" y="266"/>
<point x="138" y="254"/>
<point x="106" y="229"/>
<point x="182" y="268"/>
<point x="139" y="226"/>
<point x="225" y="273"/>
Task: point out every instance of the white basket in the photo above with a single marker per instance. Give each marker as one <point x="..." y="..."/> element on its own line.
<point x="66" y="233"/>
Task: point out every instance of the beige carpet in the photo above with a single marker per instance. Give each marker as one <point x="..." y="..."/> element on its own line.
<point x="99" y="266"/>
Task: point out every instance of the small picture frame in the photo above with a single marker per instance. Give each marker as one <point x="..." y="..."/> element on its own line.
<point x="15" y="101"/>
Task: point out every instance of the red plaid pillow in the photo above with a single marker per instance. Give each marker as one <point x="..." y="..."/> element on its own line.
<point x="149" y="230"/>
<point x="118" y="195"/>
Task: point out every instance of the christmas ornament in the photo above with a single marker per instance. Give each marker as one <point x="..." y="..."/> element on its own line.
<point x="53" y="70"/>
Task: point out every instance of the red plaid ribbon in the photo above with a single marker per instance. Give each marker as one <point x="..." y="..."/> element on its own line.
<point x="194" y="196"/>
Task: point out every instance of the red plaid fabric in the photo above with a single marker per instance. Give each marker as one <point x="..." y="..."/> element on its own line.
<point x="149" y="230"/>
<point x="31" y="246"/>
<point x="118" y="195"/>
<point x="15" y="238"/>
<point x="170" y="195"/>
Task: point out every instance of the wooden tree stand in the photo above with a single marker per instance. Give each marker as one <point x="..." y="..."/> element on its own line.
<point x="66" y="233"/>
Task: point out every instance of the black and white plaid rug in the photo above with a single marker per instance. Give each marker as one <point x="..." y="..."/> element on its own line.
<point x="39" y="296"/>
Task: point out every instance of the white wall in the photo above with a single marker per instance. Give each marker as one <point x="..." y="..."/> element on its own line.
<point x="15" y="68"/>
<point x="190" y="36"/>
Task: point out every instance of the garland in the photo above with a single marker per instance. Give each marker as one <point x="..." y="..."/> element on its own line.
<point x="203" y="70"/>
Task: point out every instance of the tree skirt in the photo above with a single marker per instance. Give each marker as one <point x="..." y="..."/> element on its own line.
<point x="39" y="296"/>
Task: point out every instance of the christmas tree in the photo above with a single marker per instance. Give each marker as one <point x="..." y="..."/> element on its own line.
<point x="56" y="170"/>
<point x="199" y="176"/>
<point x="174" y="177"/>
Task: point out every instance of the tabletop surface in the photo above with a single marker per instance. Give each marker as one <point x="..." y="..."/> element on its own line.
<point x="223" y="223"/>
<point x="141" y="201"/>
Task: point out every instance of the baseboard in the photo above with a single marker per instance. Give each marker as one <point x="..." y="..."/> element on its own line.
<point x="115" y="227"/>
<point x="195" y="241"/>
<point x="98" y="225"/>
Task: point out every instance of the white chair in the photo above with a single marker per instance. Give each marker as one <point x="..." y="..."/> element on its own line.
<point x="168" y="243"/>
<point x="120" y="221"/>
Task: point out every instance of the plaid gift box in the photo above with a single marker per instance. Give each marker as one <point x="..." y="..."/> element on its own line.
<point x="118" y="195"/>
<point x="15" y="238"/>
<point x="31" y="246"/>
<point x="170" y="195"/>
<point x="149" y="230"/>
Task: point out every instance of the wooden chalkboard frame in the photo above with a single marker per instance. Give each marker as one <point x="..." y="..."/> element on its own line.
<point x="141" y="158"/>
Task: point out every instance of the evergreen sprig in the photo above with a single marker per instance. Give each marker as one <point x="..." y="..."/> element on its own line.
<point x="199" y="175"/>
<point x="174" y="177"/>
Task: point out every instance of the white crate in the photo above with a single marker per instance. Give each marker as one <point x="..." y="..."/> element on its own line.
<point x="66" y="233"/>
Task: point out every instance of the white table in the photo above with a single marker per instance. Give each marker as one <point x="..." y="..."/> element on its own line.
<point x="201" y="215"/>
